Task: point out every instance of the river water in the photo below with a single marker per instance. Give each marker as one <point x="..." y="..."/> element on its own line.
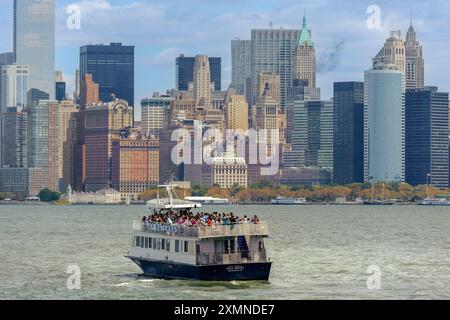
<point x="318" y="252"/>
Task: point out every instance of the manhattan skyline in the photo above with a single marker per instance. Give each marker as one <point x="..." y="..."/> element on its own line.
<point x="161" y="31"/>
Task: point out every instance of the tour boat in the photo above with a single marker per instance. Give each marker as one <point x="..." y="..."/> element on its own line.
<point x="208" y="200"/>
<point x="201" y="252"/>
<point x="434" y="202"/>
<point x="288" y="201"/>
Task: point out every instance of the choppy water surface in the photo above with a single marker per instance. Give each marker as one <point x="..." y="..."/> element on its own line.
<point x="319" y="252"/>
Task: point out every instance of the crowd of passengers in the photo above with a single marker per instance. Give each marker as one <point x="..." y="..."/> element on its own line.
<point x="187" y="218"/>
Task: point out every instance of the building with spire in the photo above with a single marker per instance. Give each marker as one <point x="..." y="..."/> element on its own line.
<point x="304" y="62"/>
<point x="392" y="53"/>
<point x="415" y="73"/>
<point x="202" y="81"/>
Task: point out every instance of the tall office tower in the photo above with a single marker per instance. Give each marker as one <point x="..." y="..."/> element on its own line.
<point x="55" y="151"/>
<point x="15" y="85"/>
<point x="426" y="135"/>
<point x="68" y="111"/>
<point x="272" y="81"/>
<point x="202" y="81"/>
<point x="312" y="136"/>
<point x="34" y="41"/>
<point x="6" y="58"/>
<point x="103" y="122"/>
<point x="89" y="91"/>
<point x="384" y="124"/>
<point x="236" y="111"/>
<point x="13" y="138"/>
<point x="348" y="132"/>
<point x="267" y="115"/>
<point x="76" y="93"/>
<point x="34" y="95"/>
<point x="184" y="72"/>
<point x="112" y="67"/>
<point x="304" y="63"/>
<point x="273" y="51"/>
<point x="60" y="86"/>
<point x="155" y="113"/>
<point x="393" y="52"/>
<point x="135" y="164"/>
<point x="88" y="95"/>
<point x="415" y="73"/>
<point x="240" y="64"/>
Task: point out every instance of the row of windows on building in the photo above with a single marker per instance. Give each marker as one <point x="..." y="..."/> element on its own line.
<point x="161" y="244"/>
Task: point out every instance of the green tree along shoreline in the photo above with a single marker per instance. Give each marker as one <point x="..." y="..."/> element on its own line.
<point x="265" y="191"/>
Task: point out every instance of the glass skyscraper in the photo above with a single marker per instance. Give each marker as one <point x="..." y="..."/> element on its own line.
<point x="272" y="51"/>
<point x="426" y="135"/>
<point x="348" y="113"/>
<point x="384" y="125"/>
<point x="34" y="41"/>
<point x="184" y="72"/>
<point x="241" y="54"/>
<point x="112" y="67"/>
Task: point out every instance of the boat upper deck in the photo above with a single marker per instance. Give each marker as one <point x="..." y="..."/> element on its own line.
<point x="204" y="231"/>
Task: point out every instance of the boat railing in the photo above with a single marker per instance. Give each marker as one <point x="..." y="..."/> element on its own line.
<point x="202" y="231"/>
<point x="212" y="258"/>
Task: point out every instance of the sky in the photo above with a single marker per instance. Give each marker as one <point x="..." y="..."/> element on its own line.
<point x="162" y="29"/>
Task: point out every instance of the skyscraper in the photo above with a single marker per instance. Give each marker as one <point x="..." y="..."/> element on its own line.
<point x="236" y="111"/>
<point x="13" y="138"/>
<point x="112" y="67"/>
<point x="348" y="132"/>
<point x="103" y="122"/>
<point x="202" y="81"/>
<point x="5" y="59"/>
<point x="426" y="135"/>
<point x="273" y="51"/>
<point x="312" y="135"/>
<point x="269" y="80"/>
<point x="240" y="64"/>
<point x="68" y="112"/>
<point x="184" y="72"/>
<point x="34" y="41"/>
<point x="384" y="124"/>
<point x="304" y="63"/>
<point x="60" y="87"/>
<point x="155" y="113"/>
<point x="14" y="86"/>
<point x="393" y="52"/>
<point x="415" y="73"/>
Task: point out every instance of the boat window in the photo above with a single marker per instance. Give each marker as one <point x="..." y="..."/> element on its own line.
<point x="232" y="246"/>
<point x="177" y="245"/>
<point x="142" y="242"/>
<point x="168" y="244"/>
<point x="158" y="244"/>
<point x="225" y="246"/>
<point x="146" y="242"/>
<point x="163" y="244"/>
<point x="138" y="241"/>
<point x="154" y="243"/>
<point x="186" y="246"/>
<point x="260" y="246"/>
<point x="150" y="243"/>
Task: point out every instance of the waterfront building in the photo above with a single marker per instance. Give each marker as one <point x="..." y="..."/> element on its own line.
<point x="135" y="164"/>
<point x="103" y="196"/>
<point x="240" y="64"/>
<point x="22" y="182"/>
<point x="13" y="138"/>
<point x="312" y="135"/>
<point x="112" y="67"/>
<point x="384" y="124"/>
<point x="104" y="121"/>
<point x="348" y="132"/>
<point x="202" y="81"/>
<point x="304" y="62"/>
<point x="14" y="86"/>
<point x="34" y="42"/>
<point x="155" y="113"/>
<point x="272" y="50"/>
<point x="184" y="73"/>
<point x="69" y="115"/>
<point x="426" y="135"/>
